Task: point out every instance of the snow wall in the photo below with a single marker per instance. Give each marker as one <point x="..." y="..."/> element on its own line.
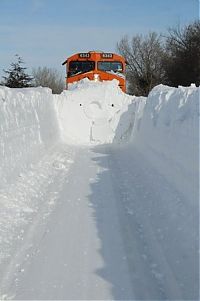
<point x="90" y="113"/>
<point x="28" y="126"/>
<point x="164" y="126"/>
<point x="166" y="131"/>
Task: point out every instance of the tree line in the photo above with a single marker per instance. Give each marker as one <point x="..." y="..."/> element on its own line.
<point x="153" y="59"/>
<point x="17" y="77"/>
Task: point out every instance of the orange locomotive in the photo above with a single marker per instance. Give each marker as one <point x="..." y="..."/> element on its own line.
<point x="96" y="65"/>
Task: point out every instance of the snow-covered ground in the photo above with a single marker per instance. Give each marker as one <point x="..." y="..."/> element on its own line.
<point x="89" y="113"/>
<point x="99" y="193"/>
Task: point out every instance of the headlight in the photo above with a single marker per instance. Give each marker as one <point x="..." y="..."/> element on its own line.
<point x="96" y="77"/>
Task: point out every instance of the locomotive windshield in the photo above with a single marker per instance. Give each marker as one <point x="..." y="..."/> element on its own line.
<point x="110" y="66"/>
<point x="95" y="66"/>
<point x="78" y="67"/>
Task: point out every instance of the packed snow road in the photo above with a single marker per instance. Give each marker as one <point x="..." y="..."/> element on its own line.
<point x="117" y="230"/>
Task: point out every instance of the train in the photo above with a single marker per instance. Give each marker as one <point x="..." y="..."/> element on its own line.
<point x="96" y="66"/>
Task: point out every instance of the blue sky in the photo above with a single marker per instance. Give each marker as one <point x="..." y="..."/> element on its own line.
<point x="46" y="32"/>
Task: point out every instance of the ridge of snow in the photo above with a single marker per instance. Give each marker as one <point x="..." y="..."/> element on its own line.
<point x="163" y="126"/>
<point x="28" y="125"/>
<point x="166" y="131"/>
<point x="89" y="112"/>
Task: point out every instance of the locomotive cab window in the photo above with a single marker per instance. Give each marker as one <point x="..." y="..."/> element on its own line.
<point x="78" y="67"/>
<point x="110" y="66"/>
<point x="95" y="66"/>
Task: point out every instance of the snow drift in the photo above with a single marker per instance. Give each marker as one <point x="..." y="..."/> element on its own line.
<point x="28" y="126"/>
<point x="164" y="126"/>
<point x="89" y="112"/>
<point x="166" y="131"/>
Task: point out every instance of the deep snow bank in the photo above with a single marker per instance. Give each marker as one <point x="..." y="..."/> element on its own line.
<point x="166" y="131"/>
<point x="89" y="113"/>
<point x="32" y="120"/>
<point x="164" y="126"/>
<point x="28" y="125"/>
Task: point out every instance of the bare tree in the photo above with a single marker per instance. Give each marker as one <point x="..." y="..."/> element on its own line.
<point x="182" y="60"/>
<point x="48" y="77"/>
<point x="144" y="56"/>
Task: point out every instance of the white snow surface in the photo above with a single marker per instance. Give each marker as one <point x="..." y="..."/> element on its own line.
<point x="89" y="112"/>
<point x="166" y="131"/>
<point x="99" y="193"/>
<point x="28" y="125"/>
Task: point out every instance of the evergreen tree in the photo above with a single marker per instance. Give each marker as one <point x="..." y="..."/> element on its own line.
<point x="16" y="75"/>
